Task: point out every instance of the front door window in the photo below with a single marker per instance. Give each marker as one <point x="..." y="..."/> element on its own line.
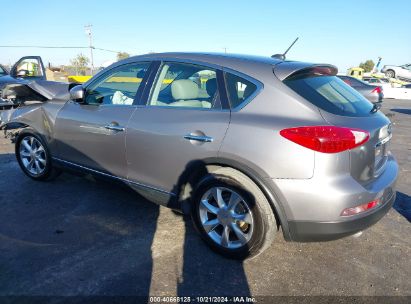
<point x="119" y="87"/>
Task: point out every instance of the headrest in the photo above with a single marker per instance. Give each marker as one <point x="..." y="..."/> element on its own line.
<point x="184" y="89"/>
<point x="249" y="89"/>
<point x="211" y="87"/>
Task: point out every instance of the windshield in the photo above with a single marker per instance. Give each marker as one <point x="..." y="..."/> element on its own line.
<point x="331" y="94"/>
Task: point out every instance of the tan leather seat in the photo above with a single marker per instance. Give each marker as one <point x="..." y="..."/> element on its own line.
<point x="186" y="93"/>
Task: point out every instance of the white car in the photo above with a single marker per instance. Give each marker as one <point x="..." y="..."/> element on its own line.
<point x="382" y="82"/>
<point x="390" y="90"/>
<point x="399" y="72"/>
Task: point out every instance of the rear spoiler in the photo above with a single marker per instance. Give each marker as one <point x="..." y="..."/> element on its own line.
<point x="288" y="69"/>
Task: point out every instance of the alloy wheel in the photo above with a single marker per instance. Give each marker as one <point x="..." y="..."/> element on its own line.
<point x="390" y="74"/>
<point x="32" y="155"/>
<point x="226" y="217"/>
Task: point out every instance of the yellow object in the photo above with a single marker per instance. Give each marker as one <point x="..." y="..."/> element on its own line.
<point x="356" y="72"/>
<point x="78" y="79"/>
<point x="83" y="79"/>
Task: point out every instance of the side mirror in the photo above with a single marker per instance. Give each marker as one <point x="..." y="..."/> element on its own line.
<point x="77" y="94"/>
<point x="22" y="73"/>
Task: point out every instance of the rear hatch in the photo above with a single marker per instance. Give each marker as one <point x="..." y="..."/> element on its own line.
<point x="342" y="106"/>
<point x="368" y="160"/>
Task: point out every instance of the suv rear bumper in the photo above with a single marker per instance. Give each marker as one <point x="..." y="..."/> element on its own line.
<point x="302" y="231"/>
<point x="313" y="206"/>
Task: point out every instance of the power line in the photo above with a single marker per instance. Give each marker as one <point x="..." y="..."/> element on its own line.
<point x="57" y="47"/>
<point x="43" y="47"/>
<point x="106" y="50"/>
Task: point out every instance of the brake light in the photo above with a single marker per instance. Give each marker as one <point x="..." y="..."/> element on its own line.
<point x="326" y="139"/>
<point x="377" y="90"/>
<point x="361" y="208"/>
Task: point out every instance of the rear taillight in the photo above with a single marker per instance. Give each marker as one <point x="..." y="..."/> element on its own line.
<point x="377" y="90"/>
<point x="361" y="208"/>
<point x="326" y="139"/>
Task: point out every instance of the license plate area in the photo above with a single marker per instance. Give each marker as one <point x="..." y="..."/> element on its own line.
<point x="381" y="151"/>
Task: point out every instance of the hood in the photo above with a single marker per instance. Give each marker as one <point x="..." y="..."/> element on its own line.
<point x="7" y="79"/>
<point x="40" y="90"/>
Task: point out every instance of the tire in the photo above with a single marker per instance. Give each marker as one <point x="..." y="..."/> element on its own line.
<point x="390" y="74"/>
<point x="33" y="156"/>
<point x="244" y="230"/>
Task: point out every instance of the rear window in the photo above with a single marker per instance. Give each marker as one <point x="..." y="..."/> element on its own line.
<point x="331" y="94"/>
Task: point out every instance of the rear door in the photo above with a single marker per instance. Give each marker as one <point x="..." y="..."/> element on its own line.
<point x="92" y="134"/>
<point x="184" y="120"/>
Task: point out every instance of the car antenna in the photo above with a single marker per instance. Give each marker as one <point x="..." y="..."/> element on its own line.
<point x="282" y="56"/>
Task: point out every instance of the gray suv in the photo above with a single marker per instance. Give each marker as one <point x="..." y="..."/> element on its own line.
<point x="244" y="144"/>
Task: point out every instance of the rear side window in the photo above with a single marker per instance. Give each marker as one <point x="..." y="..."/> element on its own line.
<point x="331" y="94"/>
<point x="239" y="89"/>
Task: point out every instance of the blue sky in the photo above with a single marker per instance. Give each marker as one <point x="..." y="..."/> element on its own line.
<point x="343" y="33"/>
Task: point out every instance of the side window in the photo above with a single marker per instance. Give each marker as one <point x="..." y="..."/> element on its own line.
<point x="185" y="85"/>
<point x="2" y="71"/>
<point x="239" y="89"/>
<point x="119" y="87"/>
<point x="31" y="66"/>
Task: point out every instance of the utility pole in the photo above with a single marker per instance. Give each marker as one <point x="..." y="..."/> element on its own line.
<point x="88" y="29"/>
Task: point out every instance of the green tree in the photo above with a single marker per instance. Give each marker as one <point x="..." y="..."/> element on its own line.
<point x="122" y="55"/>
<point x="80" y="63"/>
<point x="367" y="65"/>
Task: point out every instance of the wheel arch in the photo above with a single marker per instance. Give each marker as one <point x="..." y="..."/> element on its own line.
<point x="391" y="70"/>
<point x="196" y="170"/>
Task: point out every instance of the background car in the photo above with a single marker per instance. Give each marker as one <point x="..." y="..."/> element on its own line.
<point x="3" y="71"/>
<point x="376" y="81"/>
<point x="400" y="72"/>
<point x="373" y="93"/>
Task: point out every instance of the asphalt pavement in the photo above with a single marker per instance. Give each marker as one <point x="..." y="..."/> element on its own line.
<point x="77" y="236"/>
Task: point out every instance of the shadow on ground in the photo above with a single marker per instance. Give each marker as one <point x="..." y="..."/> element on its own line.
<point x="403" y="205"/>
<point x="79" y="236"/>
<point x="402" y="111"/>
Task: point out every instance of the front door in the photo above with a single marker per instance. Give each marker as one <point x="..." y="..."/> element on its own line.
<point x="182" y="122"/>
<point x="92" y="134"/>
<point x="30" y="68"/>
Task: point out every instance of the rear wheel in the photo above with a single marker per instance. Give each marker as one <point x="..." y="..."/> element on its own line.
<point x="390" y="74"/>
<point x="232" y="214"/>
<point x="33" y="156"/>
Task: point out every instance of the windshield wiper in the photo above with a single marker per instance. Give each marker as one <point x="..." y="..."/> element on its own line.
<point x="375" y="107"/>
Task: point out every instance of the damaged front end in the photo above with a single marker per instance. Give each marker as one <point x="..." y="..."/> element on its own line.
<point x="22" y="104"/>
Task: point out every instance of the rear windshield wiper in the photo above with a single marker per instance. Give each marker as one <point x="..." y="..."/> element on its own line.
<point x="375" y="107"/>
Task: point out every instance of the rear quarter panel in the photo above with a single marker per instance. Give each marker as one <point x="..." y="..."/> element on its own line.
<point x="253" y="135"/>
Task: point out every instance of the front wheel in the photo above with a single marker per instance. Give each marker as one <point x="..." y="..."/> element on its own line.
<point x="33" y="157"/>
<point x="232" y="215"/>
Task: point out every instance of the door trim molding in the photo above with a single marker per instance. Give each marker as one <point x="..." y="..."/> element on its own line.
<point x="83" y="168"/>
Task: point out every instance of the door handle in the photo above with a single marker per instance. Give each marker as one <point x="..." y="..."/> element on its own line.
<point x="114" y="127"/>
<point x="201" y="138"/>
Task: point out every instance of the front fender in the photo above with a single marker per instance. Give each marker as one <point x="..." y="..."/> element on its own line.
<point x="17" y="117"/>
